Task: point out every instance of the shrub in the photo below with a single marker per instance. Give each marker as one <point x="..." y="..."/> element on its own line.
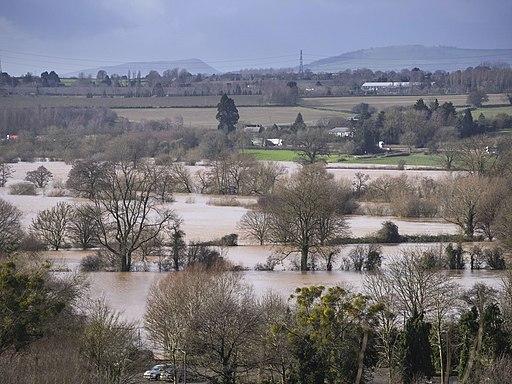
<point x="230" y="240"/>
<point x="400" y="164"/>
<point x="23" y="188"/>
<point x="413" y="206"/>
<point x="388" y="233"/>
<point x="454" y="257"/>
<point x="30" y="243"/>
<point x="92" y="263"/>
<point x="495" y="258"/>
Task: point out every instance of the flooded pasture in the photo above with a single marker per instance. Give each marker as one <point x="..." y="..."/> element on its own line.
<point x="204" y="221"/>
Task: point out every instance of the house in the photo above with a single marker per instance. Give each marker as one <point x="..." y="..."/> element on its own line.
<point x="274" y="142"/>
<point x="341" y="132"/>
<point x="253" y="129"/>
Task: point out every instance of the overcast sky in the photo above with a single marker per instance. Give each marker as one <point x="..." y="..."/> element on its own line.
<point x="69" y="35"/>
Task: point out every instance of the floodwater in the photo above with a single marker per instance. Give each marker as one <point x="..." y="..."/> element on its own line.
<point x="127" y="292"/>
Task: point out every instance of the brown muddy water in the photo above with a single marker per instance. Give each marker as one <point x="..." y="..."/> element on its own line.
<point x="127" y="292"/>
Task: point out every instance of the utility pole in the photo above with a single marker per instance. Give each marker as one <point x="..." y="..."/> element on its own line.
<point x="301" y="64"/>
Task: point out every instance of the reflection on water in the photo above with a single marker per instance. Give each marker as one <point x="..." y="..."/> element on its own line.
<point x="127" y="292"/>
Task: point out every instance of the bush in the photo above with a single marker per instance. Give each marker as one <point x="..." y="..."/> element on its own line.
<point x="92" y="263"/>
<point x="23" y="188"/>
<point x="495" y="258"/>
<point x="388" y="233"/>
<point x="454" y="257"/>
<point x="413" y="206"/>
<point x="230" y="240"/>
<point x="30" y="243"/>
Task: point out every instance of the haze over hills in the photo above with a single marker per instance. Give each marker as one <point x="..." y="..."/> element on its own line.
<point x="409" y="56"/>
<point x="192" y="65"/>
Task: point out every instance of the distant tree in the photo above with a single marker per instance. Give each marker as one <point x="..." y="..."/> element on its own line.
<point x="227" y="114"/>
<point x="365" y="137"/>
<point x="100" y="76"/>
<point x="298" y="124"/>
<point x="256" y="225"/>
<point x="509" y="97"/>
<point x="158" y="90"/>
<point x="86" y="177"/>
<point x="421" y="106"/>
<point x="52" y="225"/>
<point x="312" y="143"/>
<point x="465" y="125"/>
<point x="477" y="97"/>
<point x="388" y="233"/>
<point x="40" y="176"/>
<point x="50" y="79"/>
<point x="10" y="227"/>
<point x="83" y="229"/>
<point x="5" y="173"/>
<point x="363" y="110"/>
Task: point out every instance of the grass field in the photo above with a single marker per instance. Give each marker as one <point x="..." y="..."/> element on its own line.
<point x="380" y="102"/>
<point x="205" y="117"/>
<point x="418" y="159"/>
<point x="491" y="112"/>
<point x="130" y="102"/>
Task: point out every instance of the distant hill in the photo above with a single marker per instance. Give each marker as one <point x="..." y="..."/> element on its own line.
<point x="192" y="65"/>
<point x="409" y="56"/>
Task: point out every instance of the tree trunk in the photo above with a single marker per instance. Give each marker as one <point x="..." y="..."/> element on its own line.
<point x="441" y="362"/>
<point x="448" y="357"/>
<point x="475" y="351"/>
<point x="360" y="358"/>
<point x="304" y="252"/>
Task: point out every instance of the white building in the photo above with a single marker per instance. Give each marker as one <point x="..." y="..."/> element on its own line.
<point x="387" y="85"/>
<point x="341" y="132"/>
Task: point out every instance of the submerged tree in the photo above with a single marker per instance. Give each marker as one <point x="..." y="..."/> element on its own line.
<point x="126" y="212"/>
<point x="306" y="211"/>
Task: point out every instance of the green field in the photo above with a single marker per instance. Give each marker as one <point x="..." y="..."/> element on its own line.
<point x="417" y="159"/>
<point x="492" y="112"/>
<point x="205" y="117"/>
<point x="381" y="102"/>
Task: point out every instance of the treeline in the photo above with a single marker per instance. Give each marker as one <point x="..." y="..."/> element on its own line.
<point x="208" y="321"/>
<point x="174" y="82"/>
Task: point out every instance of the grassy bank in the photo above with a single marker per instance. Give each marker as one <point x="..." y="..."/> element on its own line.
<point x="417" y="159"/>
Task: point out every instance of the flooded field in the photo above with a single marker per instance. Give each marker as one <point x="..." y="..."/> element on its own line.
<point x="127" y="292"/>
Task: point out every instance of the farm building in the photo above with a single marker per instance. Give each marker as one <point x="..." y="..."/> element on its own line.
<point x="340" y="132"/>
<point x="387" y="85"/>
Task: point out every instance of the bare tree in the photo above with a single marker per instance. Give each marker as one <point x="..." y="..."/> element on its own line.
<point x="52" y="225"/>
<point x="5" y="173"/>
<point x="127" y="215"/>
<point x="212" y="316"/>
<point x="86" y="177"/>
<point x="306" y="211"/>
<point x="460" y="200"/>
<point x="109" y="344"/>
<point x="478" y="297"/>
<point x="10" y="227"/>
<point x="312" y="144"/>
<point x="256" y="225"/>
<point x="83" y="229"/>
<point x="40" y="176"/>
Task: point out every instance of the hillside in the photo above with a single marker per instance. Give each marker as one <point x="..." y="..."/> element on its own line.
<point x="192" y="65"/>
<point x="410" y="56"/>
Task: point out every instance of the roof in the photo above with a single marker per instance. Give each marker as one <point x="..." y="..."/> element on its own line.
<point x="388" y="84"/>
<point x="339" y="130"/>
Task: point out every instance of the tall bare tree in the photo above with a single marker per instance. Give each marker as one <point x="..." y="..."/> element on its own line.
<point x="52" y="225"/>
<point x="10" y="227"/>
<point x="5" y="173"/>
<point x="306" y="211"/>
<point x="127" y="214"/>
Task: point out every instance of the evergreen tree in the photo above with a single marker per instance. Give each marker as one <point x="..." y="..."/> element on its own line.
<point x="227" y="114"/>
<point x="421" y="106"/>
<point x="299" y="124"/>
<point x="465" y="125"/>
<point x="417" y="357"/>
